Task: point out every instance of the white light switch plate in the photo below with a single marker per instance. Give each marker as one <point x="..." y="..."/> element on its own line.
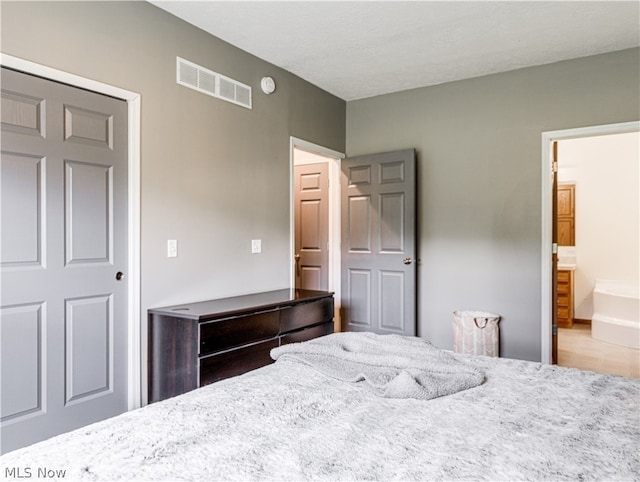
<point x="172" y="248"/>
<point x="256" y="246"/>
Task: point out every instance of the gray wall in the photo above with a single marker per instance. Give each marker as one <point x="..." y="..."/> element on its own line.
<point x="214" y="175"/>
<point x="479" y="161"/>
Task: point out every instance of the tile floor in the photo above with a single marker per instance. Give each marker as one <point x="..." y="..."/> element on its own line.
<point x="577" y="349"/>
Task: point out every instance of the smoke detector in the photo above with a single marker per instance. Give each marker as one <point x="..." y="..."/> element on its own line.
<point x="268" y="85"/>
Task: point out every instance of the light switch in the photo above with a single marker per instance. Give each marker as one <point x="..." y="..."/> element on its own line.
<point x="172" y="248"/>
<point x="256" y="246"/>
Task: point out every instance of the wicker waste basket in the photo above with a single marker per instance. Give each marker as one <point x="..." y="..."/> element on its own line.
<point x="476" y="333"/>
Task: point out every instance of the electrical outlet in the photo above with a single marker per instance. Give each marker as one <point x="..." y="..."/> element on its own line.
<point x="172" y="248"/>
<point x="256" y="246"/>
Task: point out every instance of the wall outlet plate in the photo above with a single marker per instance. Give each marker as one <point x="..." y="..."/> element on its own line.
<point x="256" y="246"/>
<point x="172" y="248"/>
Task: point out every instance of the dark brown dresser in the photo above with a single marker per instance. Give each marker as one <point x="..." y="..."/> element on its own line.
<point x="195" y="344"/>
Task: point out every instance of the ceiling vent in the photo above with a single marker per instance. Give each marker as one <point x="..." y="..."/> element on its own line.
<point x="211" y="83"/>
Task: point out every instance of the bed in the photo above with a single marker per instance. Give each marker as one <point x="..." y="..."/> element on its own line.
<point x="316" y="414"/>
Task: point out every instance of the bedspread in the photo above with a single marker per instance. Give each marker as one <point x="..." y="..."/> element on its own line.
<point x="527" y="421"/>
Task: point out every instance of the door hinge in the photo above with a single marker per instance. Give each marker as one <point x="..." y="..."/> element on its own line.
<point x="554" y="166"/>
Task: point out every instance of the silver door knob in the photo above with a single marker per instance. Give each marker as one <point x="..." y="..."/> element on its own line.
<point x="407" y="260"/>
<point x="119" y="275"/>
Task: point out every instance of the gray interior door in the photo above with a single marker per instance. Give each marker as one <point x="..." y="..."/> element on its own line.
<point x="63" y="312"/>
<point x="311" y="218"/>
<point x="378" y="279"/>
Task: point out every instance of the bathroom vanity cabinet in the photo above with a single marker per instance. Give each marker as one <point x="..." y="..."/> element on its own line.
<point x="566" y="211"/>
<point x="565" y="298"/>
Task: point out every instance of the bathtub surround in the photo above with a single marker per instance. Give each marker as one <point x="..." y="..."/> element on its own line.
<point x="616" y="313"/>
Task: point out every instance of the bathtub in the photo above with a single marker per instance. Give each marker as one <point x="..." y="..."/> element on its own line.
<point x="616" y="313"/>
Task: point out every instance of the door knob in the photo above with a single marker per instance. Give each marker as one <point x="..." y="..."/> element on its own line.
<point x="119" y="275"/>
<point x="407" y="260"/>
<point x="297" y="258"/>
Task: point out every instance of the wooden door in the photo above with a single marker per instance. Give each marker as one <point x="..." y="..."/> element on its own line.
<point x="311" y="219"/>
<point x="554" y="258"/>
<point x="63" y="308"/>
<point x="378" y="281"/>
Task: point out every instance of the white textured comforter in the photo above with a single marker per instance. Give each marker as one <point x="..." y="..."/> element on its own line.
<point x="392" y="366"/>
<point x="287" y="421"/>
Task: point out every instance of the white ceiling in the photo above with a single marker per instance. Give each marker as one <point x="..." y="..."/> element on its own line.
<point x="365" y="48"/>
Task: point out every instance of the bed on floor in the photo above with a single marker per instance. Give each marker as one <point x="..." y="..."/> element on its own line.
<point x="352" y="406"/>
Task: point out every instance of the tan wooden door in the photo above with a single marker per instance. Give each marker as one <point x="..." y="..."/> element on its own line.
<point x="554" y="258"/>
<point x="311" y="220"/>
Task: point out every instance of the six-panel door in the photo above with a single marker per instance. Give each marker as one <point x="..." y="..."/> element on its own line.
<point x="378" y="281"/>
<point x="63" y="313"/>
<point x="311" y="185"/>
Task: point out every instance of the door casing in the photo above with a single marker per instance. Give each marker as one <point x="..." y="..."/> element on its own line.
<point x="134" y="362"/>
<point x="334" y="215"/>
<point x="548" y="138"/>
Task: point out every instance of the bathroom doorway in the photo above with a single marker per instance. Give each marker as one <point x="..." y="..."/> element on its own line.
<point x="547" y="248"/>
<point x="600" y="165"/>
<point x="600" y="175"/>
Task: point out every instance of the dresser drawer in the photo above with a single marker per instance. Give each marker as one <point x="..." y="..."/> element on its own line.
<point x="563" y="313"/>
<point x="563" y="288"/>
<point x="229" y="332"/>
<point x="563" y="301"/>
<point x="235" y="362"/>
<point x="563" y="276"/>
<point x="305" y="314"/>
<point x="307" y="333"/>
<point x="194" y="344"/>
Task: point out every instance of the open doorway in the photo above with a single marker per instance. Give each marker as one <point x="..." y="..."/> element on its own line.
<point x="588" y="160"/>
<point x="315" y="219"/>
<point x="600" y="174"/>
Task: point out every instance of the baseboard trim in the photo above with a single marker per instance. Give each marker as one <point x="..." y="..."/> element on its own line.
<point x="582" y="321"/>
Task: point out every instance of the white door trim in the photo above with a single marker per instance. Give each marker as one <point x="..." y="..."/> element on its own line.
<point x="134" y="362"/>
<point x="547" y="216"/>
<point x="334" y="214"/>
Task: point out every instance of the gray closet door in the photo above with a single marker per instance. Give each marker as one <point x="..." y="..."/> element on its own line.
<point x="63" y="312"/>
<point x="311" y="186"/>
<point x="378" y="243"/>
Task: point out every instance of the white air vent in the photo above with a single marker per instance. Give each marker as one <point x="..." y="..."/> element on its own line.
<point x="211" y="83"/>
